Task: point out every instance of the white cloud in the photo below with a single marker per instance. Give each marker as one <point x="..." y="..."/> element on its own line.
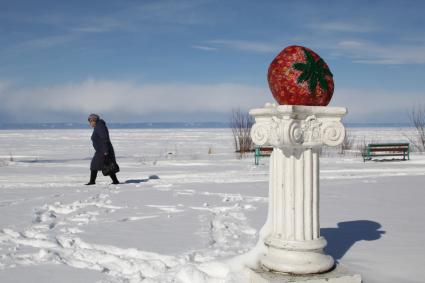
<point x="48" y="41"/>
<point x="128" y="101"/>
<point x="183" y="12"/>
<point x="367" y="41"/>
<point x="3" y="86"/>
<point x="375" y="53"/>
<point x="350" y="44"/>
<point x="131" y="100"/>
<point x="99" y="25"/>
<point x="245" y="45"/>
<point x="344" y="27"/>
<point x="205" y="48"/>
<point x="374" y="105"/>
<point x="359" y="51"/>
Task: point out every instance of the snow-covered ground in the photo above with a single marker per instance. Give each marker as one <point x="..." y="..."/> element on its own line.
<point x="187" y="205"/>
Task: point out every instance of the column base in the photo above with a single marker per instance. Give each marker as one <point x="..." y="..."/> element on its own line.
<point x="297" y="257"/>
<point x="338" y="275"/>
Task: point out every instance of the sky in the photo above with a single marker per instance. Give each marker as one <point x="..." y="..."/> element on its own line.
<point x="196" y="60"/>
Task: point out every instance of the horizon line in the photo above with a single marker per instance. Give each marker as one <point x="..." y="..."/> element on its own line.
<point x="165" y="125"/>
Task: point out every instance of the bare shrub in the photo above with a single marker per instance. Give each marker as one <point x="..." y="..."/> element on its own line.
<point x="347" y="143"/>
<point x="348" y="146"/>
<point x="417" y="118"/>
<point x="241" y="124"/>
<point x="324" y="151"/>
<point x="361" y="146"/>
<point x="4" y="162"/>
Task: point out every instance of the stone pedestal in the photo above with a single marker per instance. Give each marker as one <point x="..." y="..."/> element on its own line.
<point x="297" y="134"/>
<point x="337" y="275"/>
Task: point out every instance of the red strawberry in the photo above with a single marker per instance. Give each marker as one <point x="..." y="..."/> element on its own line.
<point x="298" y="76"/>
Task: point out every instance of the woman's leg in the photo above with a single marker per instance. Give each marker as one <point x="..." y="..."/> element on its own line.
<point x="114" y="179"/>
<point x="93" y="175"/>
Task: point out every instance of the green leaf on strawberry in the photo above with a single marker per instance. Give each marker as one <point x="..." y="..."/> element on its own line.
<point x="313" y="72"/>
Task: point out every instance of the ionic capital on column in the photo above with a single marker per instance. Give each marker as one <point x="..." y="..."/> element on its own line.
<point x="298" y="126"/>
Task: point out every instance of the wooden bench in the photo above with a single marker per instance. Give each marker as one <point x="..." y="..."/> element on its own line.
<point x="262" y="151"/>
<point x="386" y="149"/>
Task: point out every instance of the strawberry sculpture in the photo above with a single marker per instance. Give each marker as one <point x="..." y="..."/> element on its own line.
<point x="298" y="76"/>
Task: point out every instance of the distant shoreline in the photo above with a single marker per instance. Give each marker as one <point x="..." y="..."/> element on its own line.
<point x="161" y="125"/>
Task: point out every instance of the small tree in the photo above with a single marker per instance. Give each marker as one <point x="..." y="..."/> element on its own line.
<point x="241" y="124"/>
<point x="417" y="118"/>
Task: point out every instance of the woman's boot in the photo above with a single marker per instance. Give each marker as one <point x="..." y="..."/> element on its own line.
<point x="114" y="179"/>
<point x="93" y="175"/>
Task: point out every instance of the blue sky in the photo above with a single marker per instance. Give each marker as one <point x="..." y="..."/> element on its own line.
<point x="187" y="60"/>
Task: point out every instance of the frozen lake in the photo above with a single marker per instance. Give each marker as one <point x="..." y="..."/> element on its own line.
<point x="186" y="204"/>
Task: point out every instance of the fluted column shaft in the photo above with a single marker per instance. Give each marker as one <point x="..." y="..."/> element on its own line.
<point x="295" y="194"/>
<point x="296" y="133"/>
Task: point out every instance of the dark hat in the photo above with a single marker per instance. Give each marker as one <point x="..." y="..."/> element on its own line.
<point x="93" y="117"/>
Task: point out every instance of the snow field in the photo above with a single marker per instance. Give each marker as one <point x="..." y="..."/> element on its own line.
<point x="189" y="210"/>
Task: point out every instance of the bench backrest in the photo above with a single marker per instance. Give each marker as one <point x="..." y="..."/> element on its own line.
<point x="264" y="150"/>
<point x="400" y="147"/>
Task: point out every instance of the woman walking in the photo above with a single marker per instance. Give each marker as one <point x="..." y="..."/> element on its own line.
<point x="103" y="149"/>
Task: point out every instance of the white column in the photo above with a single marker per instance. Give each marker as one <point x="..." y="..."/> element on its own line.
<point x="296" y="133"/>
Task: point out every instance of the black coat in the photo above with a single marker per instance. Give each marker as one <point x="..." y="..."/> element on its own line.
<point x="102" y="144"/>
